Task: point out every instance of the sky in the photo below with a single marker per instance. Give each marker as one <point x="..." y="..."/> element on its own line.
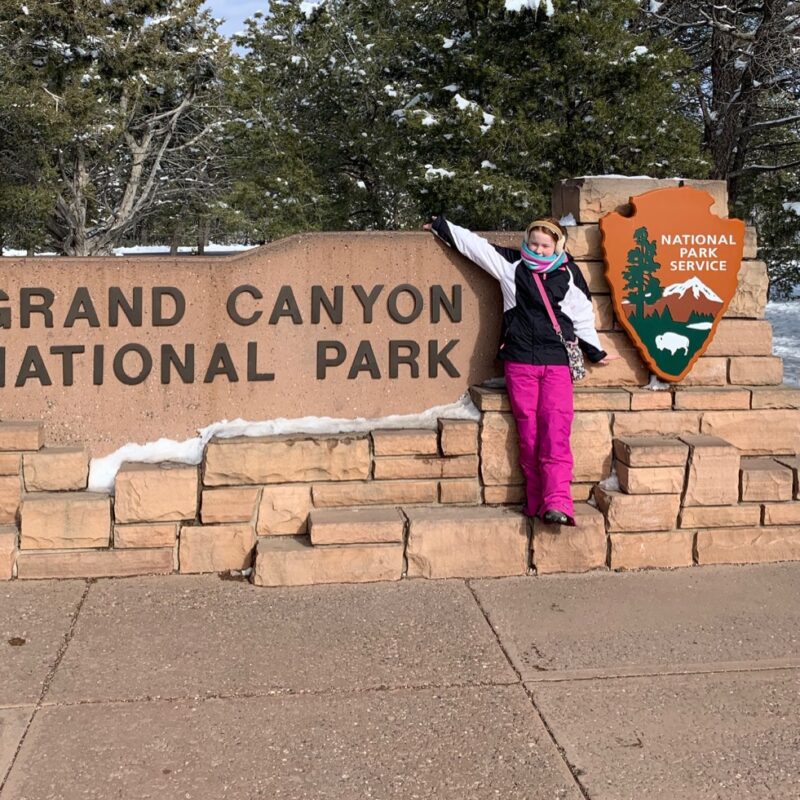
<point x="235" y="12"/>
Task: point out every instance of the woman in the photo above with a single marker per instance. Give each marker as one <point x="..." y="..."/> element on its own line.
<point x="535" y="361"/>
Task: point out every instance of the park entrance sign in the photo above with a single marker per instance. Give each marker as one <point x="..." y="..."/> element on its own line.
<point x="673" y="269"/>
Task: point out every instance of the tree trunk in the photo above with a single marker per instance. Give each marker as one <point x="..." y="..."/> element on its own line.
<point x="202" y="235"/>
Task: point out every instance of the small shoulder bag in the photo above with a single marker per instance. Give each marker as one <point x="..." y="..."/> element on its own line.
<point x="574" y="355"/>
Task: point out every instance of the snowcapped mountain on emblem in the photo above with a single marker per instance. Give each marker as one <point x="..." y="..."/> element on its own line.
<point x="697" y="287"/>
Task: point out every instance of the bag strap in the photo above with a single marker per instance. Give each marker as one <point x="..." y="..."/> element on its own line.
<point x="546" y="302"/>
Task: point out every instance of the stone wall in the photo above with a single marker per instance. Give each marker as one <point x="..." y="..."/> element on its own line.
<point x="705" y="471"/>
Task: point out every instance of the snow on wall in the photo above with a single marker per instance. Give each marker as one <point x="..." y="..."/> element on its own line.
<point x="103" y="471"/>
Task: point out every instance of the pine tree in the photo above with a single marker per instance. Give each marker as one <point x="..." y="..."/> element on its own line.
<point x="640" y="282"/>
<point x="128" y="97"/>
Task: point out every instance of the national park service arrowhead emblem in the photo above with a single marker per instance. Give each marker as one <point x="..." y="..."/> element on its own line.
<point x="673" y="269"/>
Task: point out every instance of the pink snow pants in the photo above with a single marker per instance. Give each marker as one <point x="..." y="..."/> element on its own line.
<point x="541" y="400"/>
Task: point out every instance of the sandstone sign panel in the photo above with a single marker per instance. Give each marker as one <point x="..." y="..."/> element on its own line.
<point x="107" y="351"/>
<point x="673" y="270"/>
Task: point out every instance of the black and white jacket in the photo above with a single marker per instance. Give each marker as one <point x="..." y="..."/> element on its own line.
<point x="528" y="336"/>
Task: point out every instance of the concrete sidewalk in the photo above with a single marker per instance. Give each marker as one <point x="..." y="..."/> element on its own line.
<point x="675" y="685"/>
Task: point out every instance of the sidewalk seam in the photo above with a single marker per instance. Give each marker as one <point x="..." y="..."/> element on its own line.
<point x="48" y="679"/>
<point x="570" y="767"/>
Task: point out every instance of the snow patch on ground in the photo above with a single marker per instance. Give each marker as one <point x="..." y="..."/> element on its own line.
<point x="102" y="471"/>
<point x="785" y="319"/>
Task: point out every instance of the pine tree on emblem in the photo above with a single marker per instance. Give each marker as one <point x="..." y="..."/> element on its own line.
<point x="640" y="281"/>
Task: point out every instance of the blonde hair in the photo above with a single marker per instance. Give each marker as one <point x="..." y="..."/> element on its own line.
<point x="551" y="226"/>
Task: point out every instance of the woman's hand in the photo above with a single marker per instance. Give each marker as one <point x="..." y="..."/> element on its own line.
<point x="609" y="358"/>
<point x="428" y="226"/>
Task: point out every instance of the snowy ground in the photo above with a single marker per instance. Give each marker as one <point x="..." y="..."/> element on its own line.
<point x="785" y="319"/>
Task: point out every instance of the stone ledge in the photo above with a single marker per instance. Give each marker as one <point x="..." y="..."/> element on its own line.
<point x="654" y="549"/>
<point x="464" y="542"/>
<point x="229" y="504"/>
<point x="566" y="548"/>
<point x="292" y="561"/>
<point x="781" y="514"/>
<point x="458" y="437"/>
<point x="10" y="496"/>
<point x="420" y="467"/>
<point x="627" y="512"/>
<point x="765" y="479"/>
<point x="10" y="463"/>
<point x="94" y="563"/>
<point x="216" y="548"/>
<point x="65" y="520"/>
<point x="21" y="436"/>
<point x="165" y="492"/>
<point x="361" y="493"/>
<point x="651" y="451"/>
<point x="146" y="535"/>
<point x="748" y="545"/>
<point x="56" y="469"/>
<point x="286" y="459"/>
<point x="743" y="515"/>
<point x="713" y="475"/>
<point x="356" y="525"/>
<point x="406" y="442"/>
<point x="284" y="509"/>
<point x="650" y="480"/>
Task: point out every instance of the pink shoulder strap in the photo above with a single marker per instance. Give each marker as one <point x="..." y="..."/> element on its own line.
<point x="546" y="301"/>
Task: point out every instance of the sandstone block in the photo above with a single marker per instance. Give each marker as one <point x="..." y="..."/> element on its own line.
<point x="782" y="514"/>
<point x="93" y="563"/>
<point x="499" y="450"/>
<point x="10" y="463"/>
<point x="755" y="371"/>
<point x="742" y="515"/>
<point x="742" y="337"/>
<point x="216" y="548"/>
<point x="463" y="490"/>
<point x="466" y="542"/>
<point x="590" y="443"/>
<point x="748" y="545"/>
<point x="405" y="443"/>
<point x="750" y="299"/>
<point x="364" y="493"/>
<point x="10" y="493"/>
<point x="487" y="399"/>
<point x="707" y="371"/>
<point x="713" y="475"/>
<point x="229" y="504"/>
<point x="65" y="521"/>
<point x="793" y="462"/>
<point x="775" y="397"/>
<point x="56" y="469"/>
<point x="602" y="399"/>
<point x="750" y="242"/>
<point x="629" y="370"/>
<point x="156" y="492"/>
<point x="284" y="509"/>
<point x="603" y="312"/>
<point x="651" y="550"/>
<point x="286" y="459"/>
<point x="590" y="198"/>
<point x="504" y="495"/>
<point x="649" y="400"/>
<point x="399" y="467"/>
<point x="146" y="535"/>
<point x="765" y="480"/>
<point x="21" y="435"/>
<point x="594" y="271"/>
<point x="716" y="398"/>
<point x="356" y="525"/>
<point x="756" y="433"/>
<point x="458" y="437"/>
<point x="651" y="451"/>
<point x="656" y="423"/>
<point x="8" y="551"/>
<point x="563" y="548"/>
<point x="627" y="512"/>
<point x="585" y="242"/>
<point x="292" y="561"/>
<point x="650" y="480"/>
